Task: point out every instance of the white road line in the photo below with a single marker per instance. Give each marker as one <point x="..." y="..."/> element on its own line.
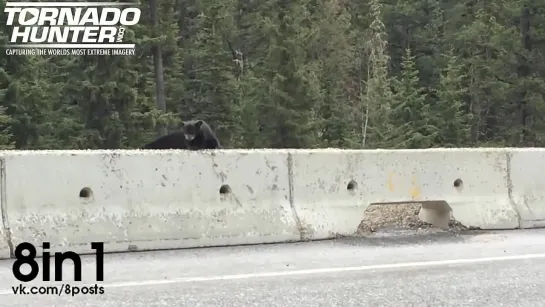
<point x="311" y="271"/>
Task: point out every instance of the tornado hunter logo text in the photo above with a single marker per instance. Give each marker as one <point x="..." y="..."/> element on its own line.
<point x="70" y="28"/>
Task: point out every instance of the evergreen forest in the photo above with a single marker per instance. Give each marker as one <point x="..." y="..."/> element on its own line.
<point x="293" y="74"/>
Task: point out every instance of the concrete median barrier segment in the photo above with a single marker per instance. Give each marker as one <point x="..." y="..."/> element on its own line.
<point x="527" y="185"/>
<point x="4" y="243"/>
<point x="146" y="200"/>
<point x="5" y="240"/>
<point x="334" y="187"/>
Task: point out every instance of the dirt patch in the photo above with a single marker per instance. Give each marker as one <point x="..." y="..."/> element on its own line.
<point x="405" y="216"/>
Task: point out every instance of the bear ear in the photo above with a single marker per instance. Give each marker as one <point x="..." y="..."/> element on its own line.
<point x="198" y="124"/>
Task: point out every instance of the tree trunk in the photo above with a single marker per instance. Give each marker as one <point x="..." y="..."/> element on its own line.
<point x="159" y="74"/>
<point x="524" y="71"/>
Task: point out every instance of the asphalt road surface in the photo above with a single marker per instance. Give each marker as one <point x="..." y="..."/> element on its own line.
<point x="504" y="268"/>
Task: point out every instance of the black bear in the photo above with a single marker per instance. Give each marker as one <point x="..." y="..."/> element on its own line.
<point x="199" y="135"/>
<point x="174" y="140"/>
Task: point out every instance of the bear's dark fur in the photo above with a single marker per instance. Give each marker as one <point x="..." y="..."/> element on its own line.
<point x="174" y="140"/>
<point x="199" y="135"/>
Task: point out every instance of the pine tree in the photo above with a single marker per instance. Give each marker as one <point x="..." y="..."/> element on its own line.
<point x="376" y="96"/>
<point x="449" y="111"/>
<point x="411" y="115"/>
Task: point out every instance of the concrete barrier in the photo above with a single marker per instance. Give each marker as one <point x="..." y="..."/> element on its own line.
<point x="4" y="232"/>
<point x="141" y="200"/>
<point x="144" y="200"/>
<point x="4" y="246"/>
<point x="333" y="188"/>
<point x="527" y="185"/>
<point x="4" y="241"/>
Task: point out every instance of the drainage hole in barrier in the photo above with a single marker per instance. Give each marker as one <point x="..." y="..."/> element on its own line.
<point x="352" y="185"/>
<point x="85" y="193"/>
<point x="458" y="183"/>
<point x="225" y="189"/>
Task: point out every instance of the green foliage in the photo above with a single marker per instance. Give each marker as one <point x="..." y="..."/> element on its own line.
<point x="411" y="115"/>
<point x="449" y="114"/>
<point x="294" y="74"/>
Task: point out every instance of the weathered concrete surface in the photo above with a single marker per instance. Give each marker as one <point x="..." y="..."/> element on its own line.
<point x="4" y="232"/>
<point x="4" y="246"/>
<point x="148" y="200"/>
<point x="170" y="199"/>
<point x="527" y="182"/>
<point x="473" y="182"/>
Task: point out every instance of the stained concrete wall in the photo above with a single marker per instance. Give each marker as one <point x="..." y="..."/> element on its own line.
<point x="142" y="200"/>
<point x="333" y="188"/>
<point x="5" y="240"/>
<point x="527" y="183"/>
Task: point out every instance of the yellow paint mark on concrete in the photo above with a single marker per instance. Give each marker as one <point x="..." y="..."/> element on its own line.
<point x="390" y="181"/>
<point x="415" y="189"/>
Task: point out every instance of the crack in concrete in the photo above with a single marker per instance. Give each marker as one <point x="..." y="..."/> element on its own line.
<point x="508" y="157"/>
<point x="302" y="230"/>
